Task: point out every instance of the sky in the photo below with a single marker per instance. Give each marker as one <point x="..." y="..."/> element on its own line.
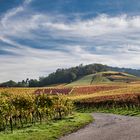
<point x="39" y="36"/>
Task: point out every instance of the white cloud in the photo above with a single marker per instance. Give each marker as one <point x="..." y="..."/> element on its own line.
<point x="103" y="39"/>
<point x="33" y="63"/>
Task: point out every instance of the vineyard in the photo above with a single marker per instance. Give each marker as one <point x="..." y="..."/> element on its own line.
<point x="93" y="89"/>
<point x="62" y="90"/>
<point x="122" y="100"/>
<point x="54" y="91"/>
<point x="20" y="110"/>
<point x="121" y="96"/>
<point x="20" y="107"/>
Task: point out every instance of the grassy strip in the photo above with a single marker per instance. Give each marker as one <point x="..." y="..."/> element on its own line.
<point x="127" y="111"/>
<point x="51" y="130"/>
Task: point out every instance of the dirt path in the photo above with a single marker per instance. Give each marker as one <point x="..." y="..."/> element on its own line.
<point x="109" y="127"/>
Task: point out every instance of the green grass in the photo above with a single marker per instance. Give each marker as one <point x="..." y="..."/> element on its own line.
<point x="49" y="131"/>
<point x="127" y="111"/>
<point x="88" y="80"/>
<point x="104" y="77"/>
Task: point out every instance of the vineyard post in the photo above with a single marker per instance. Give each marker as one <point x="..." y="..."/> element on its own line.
<point x="11" y="124"/>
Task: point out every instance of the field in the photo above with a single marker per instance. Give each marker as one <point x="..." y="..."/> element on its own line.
<point x="20" y="110"/>
<point x="79" y="92"/>
<point x="31" y="108"/>
<point x="86" y="94"/>
<point x="108" y="77"/>
<point x="38" y="113"/>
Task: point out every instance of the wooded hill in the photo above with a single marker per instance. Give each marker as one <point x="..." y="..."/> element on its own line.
<point x="68" y="75"/>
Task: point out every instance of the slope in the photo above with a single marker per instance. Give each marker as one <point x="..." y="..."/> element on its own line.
<point x="105" y="77"/>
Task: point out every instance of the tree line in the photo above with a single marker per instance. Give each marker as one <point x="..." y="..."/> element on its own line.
<point x="67" y="75"/>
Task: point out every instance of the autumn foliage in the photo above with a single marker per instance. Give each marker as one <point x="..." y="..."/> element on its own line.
<point x="18" y="110"/>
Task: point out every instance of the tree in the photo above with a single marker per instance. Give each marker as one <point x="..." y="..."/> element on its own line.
<point x="9" y="84"/>
<point x="33" y="83"/>
<point x="73" y="76"/>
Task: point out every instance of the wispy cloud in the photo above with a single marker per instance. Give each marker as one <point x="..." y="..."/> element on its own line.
<point x="101" y="39"/>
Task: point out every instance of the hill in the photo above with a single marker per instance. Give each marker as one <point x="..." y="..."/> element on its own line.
<point x="75" y="73"/>
<point x="105" y="77"/>
<point x="69" y="75"/>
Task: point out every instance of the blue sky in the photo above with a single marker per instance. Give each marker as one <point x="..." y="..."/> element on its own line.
<point x="39" y="36"/>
